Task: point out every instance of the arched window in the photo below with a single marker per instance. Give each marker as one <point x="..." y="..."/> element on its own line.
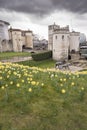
<point x="56" y="37"/>
<point x="62" y="37"/>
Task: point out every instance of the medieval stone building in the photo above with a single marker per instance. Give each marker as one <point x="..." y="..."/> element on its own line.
<point x="20" y="39"/>
<point x="61" y="41"/>
<point x="14" y="39"/>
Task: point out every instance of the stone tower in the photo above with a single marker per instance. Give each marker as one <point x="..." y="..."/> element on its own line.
<point x="51" y="29"/>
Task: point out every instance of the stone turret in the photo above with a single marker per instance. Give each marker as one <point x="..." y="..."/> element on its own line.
<point x="51" y="29"/>
<point x="28" y="39"/>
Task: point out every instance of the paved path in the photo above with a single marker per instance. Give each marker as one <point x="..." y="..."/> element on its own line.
<point x="72" y="68"/>
<point x="17" y="59"/>
<point x="75" y="68"/>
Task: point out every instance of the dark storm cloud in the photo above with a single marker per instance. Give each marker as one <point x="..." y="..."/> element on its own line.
<point x="78" y="6"/>
<point x="43" y="7"/>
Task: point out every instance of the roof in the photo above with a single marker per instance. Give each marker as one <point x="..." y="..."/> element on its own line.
<point x="4" y="22"/>
<point x="11" y="29"/>
<point x="73" y="33"/>
<point x="27" y="31"/>
<point x="19" y="30"/>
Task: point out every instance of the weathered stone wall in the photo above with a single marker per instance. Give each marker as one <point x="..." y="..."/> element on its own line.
<point x="17" y="41"/>
<point x="60" y="46"/>
<point x="29" y="40"/>
<point x="74" y="41"/>
<point x="5" y="46"/>
<point x="21" y="38"/>
<point x="4" y="30"/>
<point x="61" y="41"/>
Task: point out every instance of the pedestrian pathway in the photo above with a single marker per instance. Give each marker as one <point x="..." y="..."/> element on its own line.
<point x="75" y="68"/>
<point x="17" y="59"/>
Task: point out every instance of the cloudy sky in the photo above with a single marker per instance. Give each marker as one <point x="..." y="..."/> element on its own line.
<point x="36" y="15"/>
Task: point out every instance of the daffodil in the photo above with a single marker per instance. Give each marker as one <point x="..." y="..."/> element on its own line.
<point x="22" y="81"/>
<point x="72" y="83"/>
<point x="7" y="76"/>
<point x="30" y="89"/>
<point x="42" y="84"/>
<point x="18" y="85"/>
<point x="3" y="87"/>
<point x="11" y="82"/>
<point x="82" y="88"/>
<point x="61" y="79"/>
<point x="63" y="91"/>
<point x="64" y="80"/>
<point x="6" y="85"/>
<point x="33" y="82"/>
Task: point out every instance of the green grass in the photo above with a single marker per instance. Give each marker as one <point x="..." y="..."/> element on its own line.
<point x="8" y="55"/>
<point x="32" y="98"/>
<point x="42" y="64"/>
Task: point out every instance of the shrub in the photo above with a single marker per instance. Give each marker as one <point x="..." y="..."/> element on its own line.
<point x="42" y="56"/>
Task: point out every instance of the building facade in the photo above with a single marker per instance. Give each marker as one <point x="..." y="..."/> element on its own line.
<point x="5" y="44"/>
<point x="61" y="41"/>
<point x="14" y="39"/>
<point x="4" y="30"/>
<point x="20" y="39"/>
<point x="28" y="39"/>
<point x="74" y="41"/>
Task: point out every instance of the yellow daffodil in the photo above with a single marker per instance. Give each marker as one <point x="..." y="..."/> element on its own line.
<point x="42" y="84"/>
<point x="11" y="82"/>
<point x="3" y="87"/>
<point x="72" y="83"/>
<point x="30" y="89"/>
<point x="22" y="81"/>
<point x="64" y="80"/>
<point x="33" y="82"/>
<point x="82" y="88"/>
<point x="63" y="91"/>
<point x="61" y="79"/>
<point x="18" y="85"/>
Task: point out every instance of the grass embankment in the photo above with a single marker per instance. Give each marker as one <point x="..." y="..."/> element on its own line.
<point x="42" y="99"/>
<point x="42" y="64"/>
<point x="8" y="55"/>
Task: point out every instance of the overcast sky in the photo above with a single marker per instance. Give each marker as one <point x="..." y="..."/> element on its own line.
<point x="36" y="15"/>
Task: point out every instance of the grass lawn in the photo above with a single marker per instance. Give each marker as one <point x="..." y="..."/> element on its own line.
<point x="42" y="64"/>
<point x="8" y="55"/>
<point x="33" y="98"/>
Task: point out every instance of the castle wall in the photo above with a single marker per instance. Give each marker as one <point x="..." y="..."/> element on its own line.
<point x="21" y="38"/>
<point x="53" y="29"/>
<point x="61" y="41"/>
<point x="50" y="37"/>
<point x="74" y="41"/>
<point x="16" y="41"/>
<point x="28" y="40"/>
<point x="5" y="44"/>
<point x="60" y="46"/>
<point x="4" y="30"/>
